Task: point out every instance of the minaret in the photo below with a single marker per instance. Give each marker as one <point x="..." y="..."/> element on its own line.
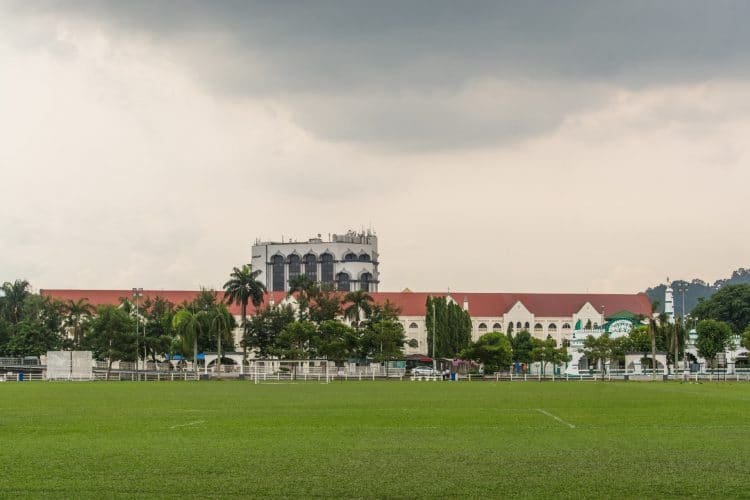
<point x="669" y="303"/>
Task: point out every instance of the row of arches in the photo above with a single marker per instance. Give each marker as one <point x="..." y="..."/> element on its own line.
<point x="552" y="327"/>
<point x="309" y="265"/>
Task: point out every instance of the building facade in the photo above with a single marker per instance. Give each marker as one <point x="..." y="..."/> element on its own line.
<point x="347" y="262"/>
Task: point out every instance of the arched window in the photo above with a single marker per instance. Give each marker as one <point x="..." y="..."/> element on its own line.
<point x="342" y="282"/>
<point x="364" y="257"/>
<point x="497" y="327"/>
<point x="277" y="261"/>
<point x="294" y="266"/>
<point x="326" y="268"/>
<point x="552" y="327"/>
<point x="311" y="267"/>
<point x="350" y="257"/>
<point x="596" y="326"/>
<point x="526" y="325"/>
<point x="413" y="325"/>
<point x="538" y="328"/>
<point x="364" y="281"/>
<point x="518" y="325"/>
<point x="566" y="326"/>
<point x="482" y="327"/>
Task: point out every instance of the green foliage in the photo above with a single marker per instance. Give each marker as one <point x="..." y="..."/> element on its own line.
<point x="326" y="304"/>
<point x="713" y="337"/>
<point x="159" y="332"/>
<point x="746" y="339"/>
<point x="294" y="341"/>
<point x="357" y="305"/>
<point x="336" y="341"/>
<point x="111" y="335"/>
<point x="451" y="326"/>
<point x="640" y="340"/>
<point x="384" y="339"/>
<point x="598" y="349"/>
<point x="546" y="351"/>
<point x="265" y="327"/>
<point x="30" y="325"/>
<point x="695" y="291"/>
<point x="522" y="346"/>
<point x="188" y="325"/>
<point x="731" y="304"/>
<point x="492" y="349"/>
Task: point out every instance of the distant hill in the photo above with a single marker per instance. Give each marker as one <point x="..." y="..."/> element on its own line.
<point x="696" y="289"/>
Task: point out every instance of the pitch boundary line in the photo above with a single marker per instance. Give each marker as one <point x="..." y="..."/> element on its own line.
<point x="544" y="412"/>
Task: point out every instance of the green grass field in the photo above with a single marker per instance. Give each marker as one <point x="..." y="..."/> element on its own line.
<point x="374" y="439"/>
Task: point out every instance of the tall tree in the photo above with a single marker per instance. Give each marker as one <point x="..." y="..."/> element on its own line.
<point x="158" y="329"/>
<point x="111" y="336"/>
<point x="546" y="351"/>
<point x="325" y="305"/>
<point x="522" y="345"/>
<point x="451" y="326"/>
<point x="14" y="298"/>
<point x="493" y="350"/>
<point x="357" y="306"/>
<point x="731" y="304"/>
<point x="188" y="325"/>
<point x="294" y="340"/>
<point x="242" y="288"/>
<point x="598" y="350"/>
<point x="336" y="341"/>
<point x="714" y="337"/>
<point x="77" y="311"/>
<point x="303" y="289"/>
<point x="221" y="325"/>
<point x="264" y="328"/>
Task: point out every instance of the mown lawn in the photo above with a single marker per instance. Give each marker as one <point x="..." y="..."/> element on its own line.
<point x="374" y="439"/>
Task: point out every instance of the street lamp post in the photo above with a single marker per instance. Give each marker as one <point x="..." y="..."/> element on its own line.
<point x="136" y="295"/>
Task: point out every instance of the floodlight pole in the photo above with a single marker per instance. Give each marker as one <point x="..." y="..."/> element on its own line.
<point x="137" y="295"/>
<point x="434" y="334"/>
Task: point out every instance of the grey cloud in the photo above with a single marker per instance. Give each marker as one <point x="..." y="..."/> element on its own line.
<point x="359" y="58"/>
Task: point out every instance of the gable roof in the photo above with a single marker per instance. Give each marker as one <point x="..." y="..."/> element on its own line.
<point x="487" y="304"/>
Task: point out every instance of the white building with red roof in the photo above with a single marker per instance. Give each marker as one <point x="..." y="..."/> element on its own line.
<point x="542" y="314"/>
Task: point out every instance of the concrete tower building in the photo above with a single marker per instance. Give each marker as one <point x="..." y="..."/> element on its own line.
<point x="347" y="261"/>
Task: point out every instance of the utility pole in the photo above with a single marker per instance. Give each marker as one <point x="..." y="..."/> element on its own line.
<point x="136" y="296"/>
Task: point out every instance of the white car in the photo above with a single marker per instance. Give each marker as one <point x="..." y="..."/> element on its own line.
<point x="425" y="371"/>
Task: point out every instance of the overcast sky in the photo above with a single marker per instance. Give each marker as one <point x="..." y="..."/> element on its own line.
<point x="531" y="146"/>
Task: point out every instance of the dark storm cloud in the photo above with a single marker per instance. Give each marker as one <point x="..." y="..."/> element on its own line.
<point x="368" y="60"/>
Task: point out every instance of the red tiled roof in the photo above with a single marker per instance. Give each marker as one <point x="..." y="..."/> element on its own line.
<point x="413" y="303"/>
<point x="114" y="297"/>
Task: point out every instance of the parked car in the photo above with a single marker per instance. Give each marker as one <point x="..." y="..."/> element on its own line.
<point x="425" y="371"/>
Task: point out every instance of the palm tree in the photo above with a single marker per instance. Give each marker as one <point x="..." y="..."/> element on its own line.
<point x="359" y="303"/>
<point x="188" y="326"/>
<point x="243" y="287"/>
<point x="76" y="310"/>
<point x="221" y="324"/>
<point x="304" y="289"/>
<point x="15" y="295"/>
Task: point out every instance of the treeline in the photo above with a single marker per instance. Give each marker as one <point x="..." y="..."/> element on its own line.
<point x="695" y="291"/>
<point x="31" y="325"/>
